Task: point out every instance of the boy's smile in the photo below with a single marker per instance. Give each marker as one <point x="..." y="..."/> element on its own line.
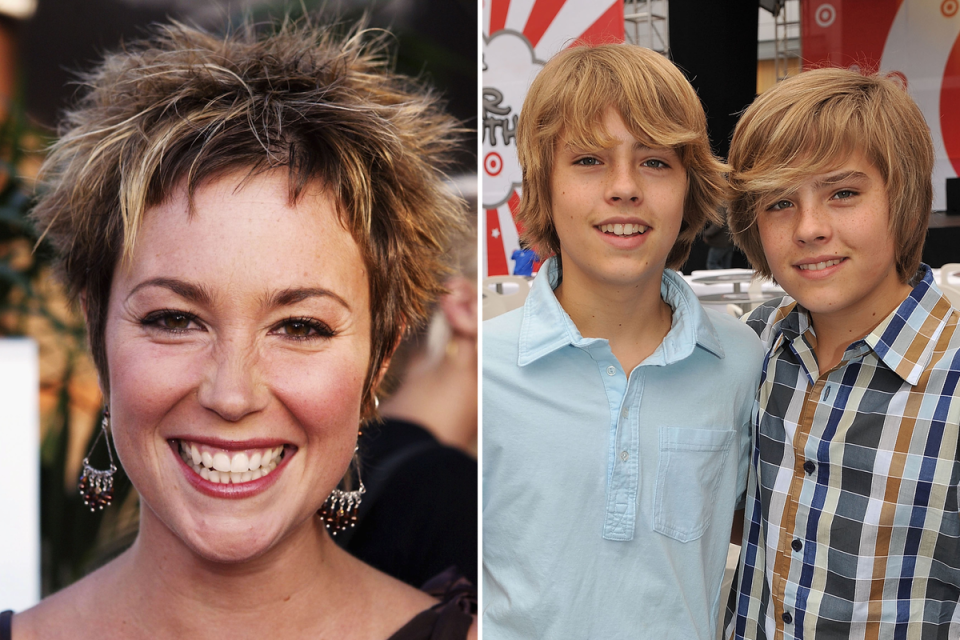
<point x="829" y="245"/>
<point x="617" y="210"/>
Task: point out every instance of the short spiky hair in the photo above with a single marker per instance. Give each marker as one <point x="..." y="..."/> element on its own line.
<point x="183" y="106"/>
<point x="568" y="100"/>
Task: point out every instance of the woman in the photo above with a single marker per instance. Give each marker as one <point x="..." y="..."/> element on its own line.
<point x="249" y="226"/>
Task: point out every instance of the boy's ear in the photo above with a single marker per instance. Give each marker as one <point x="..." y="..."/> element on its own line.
<point x="459" y="306"/>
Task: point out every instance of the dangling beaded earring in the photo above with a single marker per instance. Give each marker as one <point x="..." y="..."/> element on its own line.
<point x="96" y="487"/>
<point x="339" y="511"/>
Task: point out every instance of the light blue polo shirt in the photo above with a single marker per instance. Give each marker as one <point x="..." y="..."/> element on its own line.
<point x="608" y="499"/>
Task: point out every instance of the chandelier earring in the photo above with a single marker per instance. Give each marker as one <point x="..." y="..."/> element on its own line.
<point x="339" y="511"/>
<point x="96" y="486"/>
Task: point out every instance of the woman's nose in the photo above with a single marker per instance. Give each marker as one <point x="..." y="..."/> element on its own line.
<point x="232" y="385"/>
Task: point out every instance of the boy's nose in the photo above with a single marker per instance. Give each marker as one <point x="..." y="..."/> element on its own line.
<point x="812" y="225"/>
<point x="624" y="184"/>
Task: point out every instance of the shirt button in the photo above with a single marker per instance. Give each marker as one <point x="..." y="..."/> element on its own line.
<point x="826" y="394"/>
<point x="797" y="545"/>
<point x="624" y="456"/>
<point x="625" y="412"/>
<point x="611" y="370"/>
<point x="809" y="467"/>
<point x="786" y="617"/>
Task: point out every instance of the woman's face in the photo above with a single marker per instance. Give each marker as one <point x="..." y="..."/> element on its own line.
<point x="238" y="337"/>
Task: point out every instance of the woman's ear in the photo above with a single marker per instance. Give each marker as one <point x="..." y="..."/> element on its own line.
<point x="459" y="306"/>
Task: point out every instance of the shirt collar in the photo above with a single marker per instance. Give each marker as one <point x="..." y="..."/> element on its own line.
<point x="904" y="340"/>
<point x="546" y="327"/>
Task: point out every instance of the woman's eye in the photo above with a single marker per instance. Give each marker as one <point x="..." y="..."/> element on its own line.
<point x="304" y="328"/>
<point x="170" y="321"/>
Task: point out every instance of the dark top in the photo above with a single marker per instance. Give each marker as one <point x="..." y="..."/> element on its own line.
<point x="449" y="619"/>
<point x="419" y="516"/>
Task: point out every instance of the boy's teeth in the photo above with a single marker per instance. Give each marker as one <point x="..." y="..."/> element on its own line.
<point x="820" y="265"/>
<point x="623" y="229"/>
<point x="226" y="467"/>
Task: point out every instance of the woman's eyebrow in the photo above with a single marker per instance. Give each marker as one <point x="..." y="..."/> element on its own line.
<point x="187" y="290"/>
<point x="294" y="295"/>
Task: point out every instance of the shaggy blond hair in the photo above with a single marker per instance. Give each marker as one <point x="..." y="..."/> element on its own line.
<point x="567" y="102"/>
<point x="184" y="107"/>
<point x="811" y="124"/>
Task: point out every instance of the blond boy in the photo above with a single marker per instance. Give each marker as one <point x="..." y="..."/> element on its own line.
<point x="852" y="526"/>
<point x="616" y="409"/>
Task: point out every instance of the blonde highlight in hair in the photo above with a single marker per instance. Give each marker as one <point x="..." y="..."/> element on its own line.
<point x="811" y="124"/>
<point x="184" y="106"/>
<point x="567" y="102"/>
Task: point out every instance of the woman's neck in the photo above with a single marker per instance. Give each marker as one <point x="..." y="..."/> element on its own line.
<point x="301" y="582"/>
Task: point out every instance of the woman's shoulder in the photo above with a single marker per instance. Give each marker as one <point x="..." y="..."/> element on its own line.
<point x="415" y="614"/>
<point x="68" y="613"/>
<point x="50" y="617"/>
<point x="451" y="616"/>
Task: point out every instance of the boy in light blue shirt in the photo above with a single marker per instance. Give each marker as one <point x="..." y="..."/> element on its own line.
<point x="616" y="409"/>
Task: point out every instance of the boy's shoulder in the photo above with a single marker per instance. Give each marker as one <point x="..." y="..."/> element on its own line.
<point x="737" y="339"/>
<point x="767" y="320"/>
<point x="502" y="328"/>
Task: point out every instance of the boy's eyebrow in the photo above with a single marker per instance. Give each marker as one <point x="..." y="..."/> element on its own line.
<point x="637" y="146"/>
<point x="844" y="176"/>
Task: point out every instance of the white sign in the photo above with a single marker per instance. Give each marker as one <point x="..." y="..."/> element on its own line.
<point x="19" y="474"/>
<point x="509" y="67"/>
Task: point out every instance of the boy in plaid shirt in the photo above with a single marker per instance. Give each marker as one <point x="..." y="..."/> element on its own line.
<point x="852" y="527"/>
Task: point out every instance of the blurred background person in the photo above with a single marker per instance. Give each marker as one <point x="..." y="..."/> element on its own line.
<point x="419" y="516"/>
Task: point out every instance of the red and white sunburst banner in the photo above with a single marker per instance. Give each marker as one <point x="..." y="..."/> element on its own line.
<point x="518" y="37"/>
<point x="914" y="39"/>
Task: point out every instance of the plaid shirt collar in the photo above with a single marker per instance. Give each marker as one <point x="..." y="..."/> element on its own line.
<point x="904" y="340"/>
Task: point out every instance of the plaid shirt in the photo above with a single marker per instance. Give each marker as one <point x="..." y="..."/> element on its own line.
<point x="852" y="526"/>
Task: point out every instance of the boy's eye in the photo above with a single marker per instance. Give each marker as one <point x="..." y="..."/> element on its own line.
<point x="588" y="161"/>
<point x="655" y="163"/>
<point x="780" y="205"/>
<point x="843" y="194"/>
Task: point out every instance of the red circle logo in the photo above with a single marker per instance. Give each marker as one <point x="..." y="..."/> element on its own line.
<point x="949" y="8"/>
<point x="493" y="163"/>
<point x="826" y="14"/>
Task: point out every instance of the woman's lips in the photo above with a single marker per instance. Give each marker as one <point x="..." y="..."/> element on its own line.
<point x="242" y="468"/>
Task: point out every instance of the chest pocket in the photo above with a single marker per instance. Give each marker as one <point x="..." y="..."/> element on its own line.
<point x="688" y="472"/>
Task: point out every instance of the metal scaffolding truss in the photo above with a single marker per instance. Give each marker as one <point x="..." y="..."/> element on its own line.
<point x="647" y="24"/>
<point x="787" y="36"/>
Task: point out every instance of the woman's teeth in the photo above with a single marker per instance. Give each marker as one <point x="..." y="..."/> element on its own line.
<point x="623" y="229"/>
<point x="820" y="265"/>
<point x="226" y="467"/>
